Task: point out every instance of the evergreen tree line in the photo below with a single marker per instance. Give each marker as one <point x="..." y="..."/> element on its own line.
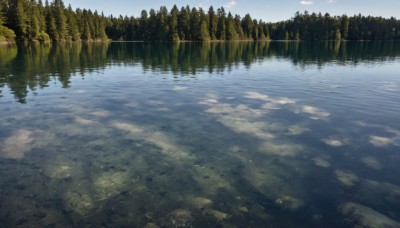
<point x="33" y="20"/>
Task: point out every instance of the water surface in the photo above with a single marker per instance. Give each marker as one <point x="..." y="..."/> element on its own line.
<point x="267" y="134"/>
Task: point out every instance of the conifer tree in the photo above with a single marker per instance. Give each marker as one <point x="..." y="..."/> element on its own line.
<point x="231" y="33"/>
<point x="247" y="25"/>
<point x="73" y="30"/>
<point x="213" y="23"/>
<point x="221" y="31"/>
<point x="51" y="27"/>
<point x="2" y="17"/>
<point x="204" y="34"/>
<point x="143" y="21"/>
<point x="345" y="26"/>
<point x="41" y="16"/>
<point x="18" y="19"/>
<point x="173" y="24"/>
<point x="60" y="19"/>
<point x="194" y="24"/>
<point x="184" y="23"/>
<point x="238" y="27"/>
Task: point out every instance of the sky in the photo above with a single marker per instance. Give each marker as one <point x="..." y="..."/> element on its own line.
<point x="266" y="10"/>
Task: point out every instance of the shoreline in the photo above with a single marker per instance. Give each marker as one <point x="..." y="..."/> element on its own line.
<point x="174" y="42"/>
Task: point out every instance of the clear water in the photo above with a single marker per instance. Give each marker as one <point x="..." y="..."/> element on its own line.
<point x="268" y="134"/>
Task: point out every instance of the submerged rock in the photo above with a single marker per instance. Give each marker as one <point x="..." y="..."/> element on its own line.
<point x="79" y="203"/>
<point x="180" y="218"/>
<point x="217" y="214"/>
<point x="366" y="217"/>
<point x="198" y="202"/>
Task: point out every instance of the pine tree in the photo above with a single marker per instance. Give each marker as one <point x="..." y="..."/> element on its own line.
<point x="247" y="25"/>
<point x="41" y="16"/>
<point x="255" y="30"/>
<point x="173" y="24"/>
<point x="18" y="19"/>
<point x="221" y="31"/>
<point x="73" y="30"/>
<point x="35" y="28"/>
<point x="143" y="21"/>
<point x="60" y="19"/>
<point x="152" y="25"/>
<point x="238" y="26"/>
<point x="204" y="35"/>
<point x="2" y="17"/>
<point x="162" y="23"/>
<point x="102" y="28"/>
<point x="345" y="26"/>
<point x="213" y="21"/>
<point x="261" y="35"/>
<point x="195" y="24"/>
<point x="231" y="33"/>
<point x="51" y="27"/>
<point x="184" y="23"/>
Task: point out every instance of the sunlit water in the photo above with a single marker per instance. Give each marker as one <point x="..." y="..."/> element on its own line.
<point x="267" y="134"/>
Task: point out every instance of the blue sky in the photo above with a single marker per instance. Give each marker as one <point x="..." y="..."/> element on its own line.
<point x="267" y="10"/>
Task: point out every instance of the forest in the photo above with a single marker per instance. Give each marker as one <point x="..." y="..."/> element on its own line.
<point x="32" y="20"/>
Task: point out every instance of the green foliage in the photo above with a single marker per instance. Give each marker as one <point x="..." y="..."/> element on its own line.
<point x="231" y="33"/>
<point x="2" y="17"/>
<point x="44" y="37"/>
<point x="31" y="20"/>
<point x="221" y="30"/>
<point x="204" y="35"/>
<point x="213" y="23"/>
<point x="6" y="34"/>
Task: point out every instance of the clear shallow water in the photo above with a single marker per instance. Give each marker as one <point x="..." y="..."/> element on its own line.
<point x="204" y="135"/>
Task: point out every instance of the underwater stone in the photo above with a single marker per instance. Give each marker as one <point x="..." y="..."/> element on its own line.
<point x="180" y="218"/>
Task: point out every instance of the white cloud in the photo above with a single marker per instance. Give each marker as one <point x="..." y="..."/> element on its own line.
<point x="231" y="4"/>
<point x="306" y="2"/>
<point x="331" y="1"/>
<point x="204" y="5"/>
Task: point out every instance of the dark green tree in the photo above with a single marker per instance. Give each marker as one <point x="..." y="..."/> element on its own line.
<point x="173" y="24"/>
<point x="195" y="24"/>
<point x="213" y="23"/>
<point x="221" y="31"/>
<point x="73" y="30"/>
<point x="231" y="33"/>
<point x="18" y="19"/>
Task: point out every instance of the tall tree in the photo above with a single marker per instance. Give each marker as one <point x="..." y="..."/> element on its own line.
<point x="195" y="24"/>
<point x="173" y="24"/>
<point x="184" y="23"/>
<point x="221" y="31"/>
<point x="247" y="25"/>
<point x="2" y="17"/>
<point x="213" y="23"/>
<point x="73" y="30"/>
<point x="204" y="34"/>
<point x="60" y="19"/>
<point x="50" y="22"/>
<point x="18" y="19"/>
<point x="231" y="33"/>
<point x="345" y="26"/>
<point x="143" y="29"/>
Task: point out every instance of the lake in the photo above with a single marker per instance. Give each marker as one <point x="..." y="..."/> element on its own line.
<point x="247" y="134"/>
